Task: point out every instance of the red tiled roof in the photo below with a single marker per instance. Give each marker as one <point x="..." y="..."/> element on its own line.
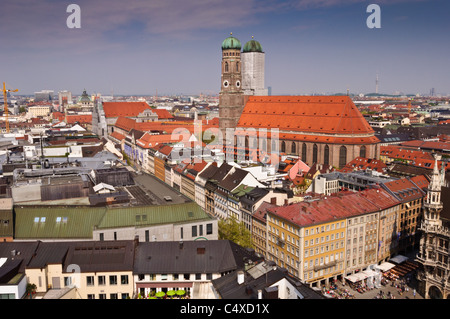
<point x="405" y="189"/>
<point x="362" y="163"/>
<point x="339" y="206"/>
<point x="165" y="149"/>
<point x="308" y="114"/>
<point x="421" y="181"/>
<point x="428" y="163"/>
<point x="148" y="140"/>
<point x="125" y="123"/>
<point x="162" y="114"/>
<point x="58" y="116"/>
<point x="117" y="136"/>
<point x="82" y="119"/>
<point x="126" y="109"/>
<point x="436" y="145"/>
<point x="406" y="154"/>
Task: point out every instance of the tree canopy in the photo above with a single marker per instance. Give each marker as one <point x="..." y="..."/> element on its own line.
<point x="231" y="229"/>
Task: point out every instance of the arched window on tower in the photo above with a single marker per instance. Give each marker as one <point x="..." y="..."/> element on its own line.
<point x="326" y="155"/>
<point x="314" y="153"/>
<point x="342" y="156"/>
<point x="304" y="152"/>
<point x="293" y="148"/>
<point x="362" y="151"/>
<point x="226" y="66"/>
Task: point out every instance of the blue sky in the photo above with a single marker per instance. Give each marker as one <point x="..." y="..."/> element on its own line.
<point x="173" y="46"/>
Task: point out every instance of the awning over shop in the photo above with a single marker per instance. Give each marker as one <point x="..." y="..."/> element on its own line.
<point x="357" y="277"/>
<point x="385" y="266"/>
<point x="370" y="273"/>
<point x="399" y="259"/>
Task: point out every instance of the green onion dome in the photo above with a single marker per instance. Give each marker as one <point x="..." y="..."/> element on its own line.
<point x="252" y="46"/>
<point x="231" y="43"/>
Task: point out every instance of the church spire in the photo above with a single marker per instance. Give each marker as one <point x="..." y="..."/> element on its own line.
<point x="433" y="204"/>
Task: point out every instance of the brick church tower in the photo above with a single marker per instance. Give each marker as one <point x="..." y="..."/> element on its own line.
<point x="231" y="96"/>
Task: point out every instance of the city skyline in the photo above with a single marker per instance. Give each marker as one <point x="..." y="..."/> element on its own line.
<point x="144" y="47"/>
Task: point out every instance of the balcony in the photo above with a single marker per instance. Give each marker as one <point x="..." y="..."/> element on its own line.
<point x="280" y="242"/>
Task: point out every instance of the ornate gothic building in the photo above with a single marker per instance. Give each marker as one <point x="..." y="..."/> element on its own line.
<point x="434" y="273"/>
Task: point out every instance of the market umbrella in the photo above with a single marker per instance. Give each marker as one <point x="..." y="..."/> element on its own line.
<point x="160" y="294"/>
<point x="171" y="293"/>
<point x="181" y="292"/>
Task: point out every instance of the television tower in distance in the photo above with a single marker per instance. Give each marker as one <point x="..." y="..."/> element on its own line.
<point x="376" y="84"/>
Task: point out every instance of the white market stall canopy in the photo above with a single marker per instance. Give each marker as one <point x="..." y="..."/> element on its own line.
<point x="370" y="273"/>
<point x="357" y="277"/>
<point x="385" y="266"/>
<point x="399" y="259"/>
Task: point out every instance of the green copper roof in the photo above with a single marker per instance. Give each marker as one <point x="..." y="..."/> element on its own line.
<point x="252" y="46"/>
<point x="231" y="43"/>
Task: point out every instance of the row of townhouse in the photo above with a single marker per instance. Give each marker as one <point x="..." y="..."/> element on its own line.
<point x="328" y="239"/>
<point x="408" y="190"/>
<point x="118" y="269"/>
<point x="223" y="190"/>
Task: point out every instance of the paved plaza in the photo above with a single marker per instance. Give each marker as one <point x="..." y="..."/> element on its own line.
<point x="392" y="288"/>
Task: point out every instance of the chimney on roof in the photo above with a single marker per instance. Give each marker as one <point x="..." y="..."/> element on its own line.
<point x="240" y="277"/>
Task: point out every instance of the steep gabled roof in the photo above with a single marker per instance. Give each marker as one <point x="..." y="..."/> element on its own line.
<point x="126" y="109"/>
<point x="308" y="114"/>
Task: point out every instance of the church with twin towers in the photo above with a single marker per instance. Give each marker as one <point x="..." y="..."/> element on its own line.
<point x="327" y="130"/>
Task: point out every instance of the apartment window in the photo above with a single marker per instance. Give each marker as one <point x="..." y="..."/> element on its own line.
<point x="67" y="281"/>
<point x="115" y="235"/>
<point x="164" y="277"/>
<point x="194" y="231"/>
<point x="125" y="296"/>
<point x="113" y="280"/>
<point x="147" y="236"/>
<point x="113" y="296"/>
<point x="187" y="276"/>
<point x="89" y="280"/>
<point x="102" y="237"/>
<point x="200" y="230"/>
<point x="90" y="296"/>
<point x="124" y="279"/>
<point x="101" y="280"/>
<point x="209" y="229"/>
<point x="175" y="277"/>
<point x="198" y="276"/>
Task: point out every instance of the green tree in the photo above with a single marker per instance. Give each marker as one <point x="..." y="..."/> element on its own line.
<point x="231" y="229"/>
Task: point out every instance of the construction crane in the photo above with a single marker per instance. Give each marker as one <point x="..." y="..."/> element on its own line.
<point x="5" y="99"/>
